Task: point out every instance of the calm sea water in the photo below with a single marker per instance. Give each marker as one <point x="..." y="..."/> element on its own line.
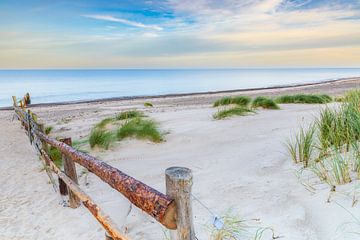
<point x="46" y="86"/>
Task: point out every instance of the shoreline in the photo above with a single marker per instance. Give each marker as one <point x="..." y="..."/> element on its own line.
<point x="179" y="95"/>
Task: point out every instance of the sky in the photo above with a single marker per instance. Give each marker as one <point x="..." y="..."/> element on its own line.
<point x="179" y="34"/>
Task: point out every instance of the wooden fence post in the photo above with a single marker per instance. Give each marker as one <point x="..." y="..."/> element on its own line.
<point x="44" y="145"/>
<point x="62" y="186"/>
<point x="29" y="124"/>
<point x="70" y="171"/>
<point x="178" y="187"/>
<point x="14" y="101"/>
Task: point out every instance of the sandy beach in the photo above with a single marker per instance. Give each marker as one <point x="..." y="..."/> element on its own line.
<point x="239" y="164"/>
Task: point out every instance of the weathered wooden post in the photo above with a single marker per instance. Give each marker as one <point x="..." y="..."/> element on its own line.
<point x="178" y="186"/>
<point x="14" y="101"/>
<point x="28" y="117"/>
<point x="70" y="171"/>
<point x="44" y="145"/>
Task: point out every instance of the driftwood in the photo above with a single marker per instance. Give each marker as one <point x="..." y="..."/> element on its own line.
<point x="158" y="205"/>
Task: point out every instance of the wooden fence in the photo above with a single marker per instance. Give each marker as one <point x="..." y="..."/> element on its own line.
<point x="173" y="209"/>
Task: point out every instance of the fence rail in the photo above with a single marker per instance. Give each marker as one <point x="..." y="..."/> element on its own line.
<point x="173" y="210"/>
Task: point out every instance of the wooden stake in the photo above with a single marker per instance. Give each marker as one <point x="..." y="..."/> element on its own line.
<point x="29" y="125"/>
<point x="14" y="101"/>
<point x="62" y="186"/>
<point x="70" y="171"/>
<point x="43" y="143"/>
<point x="178" y="187"/>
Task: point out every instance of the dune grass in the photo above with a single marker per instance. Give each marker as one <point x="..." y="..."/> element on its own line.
<point x="129" y="114"/>
<point x="335" y="139"/>
<point x="231" y="226"/>
<point x="339" y="128"/>
<point x="234" y="227"/>
<point x="333" y="170"/>
<point x="339" y="99"/>
<point x="101" y="138"/>
<point x="302" y="149"/>
<point x="236" y="111"/>
<point x="48" y="129"/>
<point x="304" y="98"/>
<point x="104" y="122"/>
<point x="238" y="100"/>
<point x="264" y="102"/>
<point x="56" y="156"/>
<point x="148" y="104"/>
<point x="141" y="129"/>
<point x="133" y="125"/>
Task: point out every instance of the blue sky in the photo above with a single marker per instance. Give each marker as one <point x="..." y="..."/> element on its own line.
<point x="179" y="34"/>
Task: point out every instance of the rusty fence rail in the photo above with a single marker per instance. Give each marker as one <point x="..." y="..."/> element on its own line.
<point x="172" y="210"/>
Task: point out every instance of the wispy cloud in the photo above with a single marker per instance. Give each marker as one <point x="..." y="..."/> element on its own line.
<point x="124" y="21"/>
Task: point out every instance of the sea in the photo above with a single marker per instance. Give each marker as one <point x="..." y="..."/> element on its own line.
<point x="50" y="86"/>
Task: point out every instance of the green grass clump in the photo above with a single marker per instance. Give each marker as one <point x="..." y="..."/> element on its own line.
<point x="236" y="111"/>
<point x="334" y="170"/>
<point x="339" y="99"/>
<point x="135" y="126"/>
<point x="340" y="128"/>
<point x="101" y="138"/>
<point x="264" y="102"/>
<point x="56" y="156"/>
<point x="141" y="129"/>
<point x="239" y="100"/>
<point x="129" y="114"/>
<point x="104" y="122"/>
<point x="304" y="98"/>
<point x="302" y="149"/>
<point x="148" y="104"/>
<point x="48" y="130"/>
<point x="231" y="226"/>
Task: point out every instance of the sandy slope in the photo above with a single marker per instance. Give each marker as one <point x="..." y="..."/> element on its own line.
<point x="239" y="163"/>
<point x="29" y="207"/>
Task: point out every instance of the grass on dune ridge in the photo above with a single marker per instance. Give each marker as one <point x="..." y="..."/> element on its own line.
<point x="264" y="102"/>
<point x="104" y="122"/>
<point x="101" y="138"/>
<point x="238" y="100"/>
<point x="141" y="129"/>
<point x="129" y="114"/>
<point x="134" y="126"/>
<point x="236" y="111"/>
<point x="304" y="98"/>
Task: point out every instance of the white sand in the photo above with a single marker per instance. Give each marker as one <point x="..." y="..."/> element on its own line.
<point x="239" y="163"/>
